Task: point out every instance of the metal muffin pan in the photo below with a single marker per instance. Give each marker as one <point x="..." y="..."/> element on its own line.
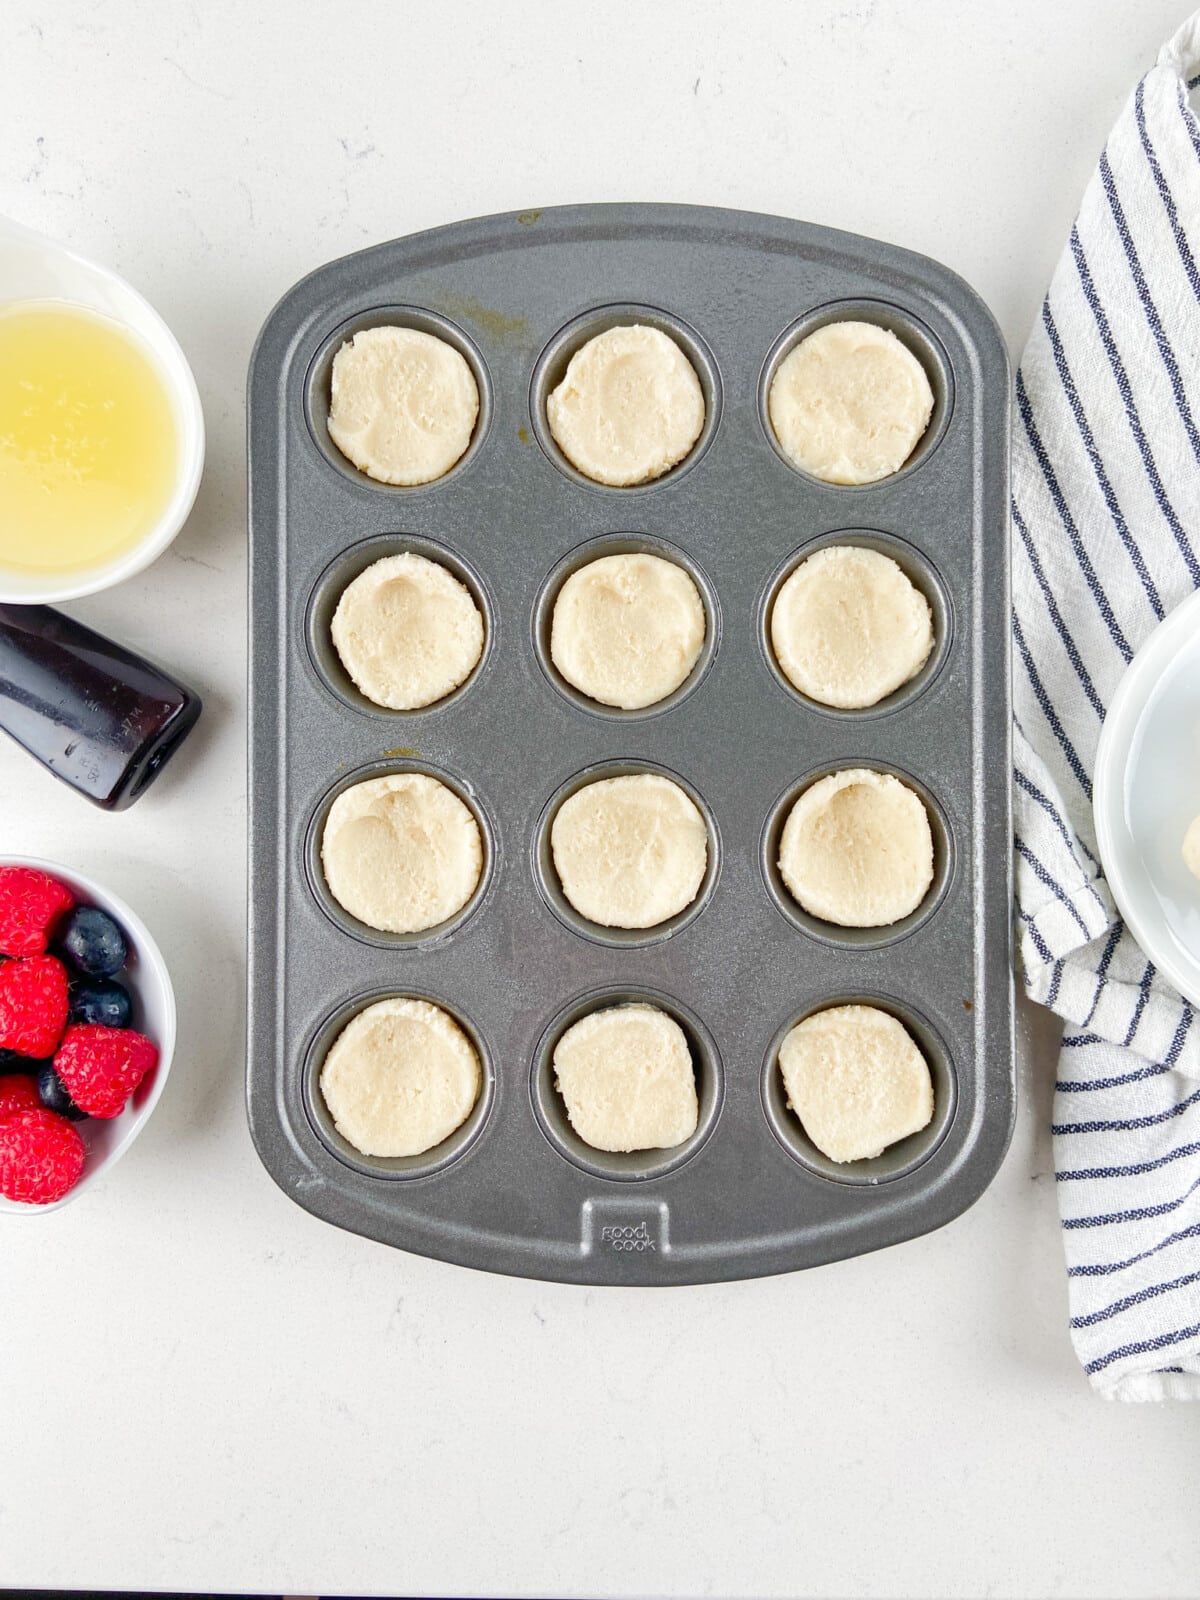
<point x="515" y="1190"/>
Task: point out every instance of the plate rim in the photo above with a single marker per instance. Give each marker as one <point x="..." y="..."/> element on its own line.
<point x="1113" y="754"/>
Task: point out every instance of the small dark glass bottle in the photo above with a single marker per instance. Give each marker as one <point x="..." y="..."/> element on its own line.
<point x="100" y="718"/>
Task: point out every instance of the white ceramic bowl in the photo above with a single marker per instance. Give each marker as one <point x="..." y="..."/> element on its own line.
<point x="148" y="981"/>
<point x="36" y="268"/>
<point x="1146" y="792"/>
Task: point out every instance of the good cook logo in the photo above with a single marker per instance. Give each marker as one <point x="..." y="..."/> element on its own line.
<point x="631" y="1236"/>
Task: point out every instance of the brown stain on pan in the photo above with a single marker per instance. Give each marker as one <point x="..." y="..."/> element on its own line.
<point x="496" y="324"/>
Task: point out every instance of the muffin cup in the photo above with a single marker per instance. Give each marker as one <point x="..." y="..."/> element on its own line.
<point x="633" y="1165"/>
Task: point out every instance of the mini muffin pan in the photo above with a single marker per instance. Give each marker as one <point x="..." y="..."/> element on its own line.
<point x="514" y="1189"/>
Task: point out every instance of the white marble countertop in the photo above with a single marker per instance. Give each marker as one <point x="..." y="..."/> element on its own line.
<point x="204" y="1387"/>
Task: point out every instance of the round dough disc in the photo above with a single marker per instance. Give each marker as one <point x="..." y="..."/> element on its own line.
<point x="848" y="627"/>
<point x="1191" y="848"/>
<point x="857" y="849"/>
<point x="627" y="629"/>
<point x="626" y="1077"/>
<point x="856" y="1080"/>
<point x="401" y="853"/>
<point x="407" y="631"/>
<point x="629" y="852"/>
<point x="404" y="404"/>
<point x="400" y="1077"/>
<point x="629" y="406"/>
<point x="850" y="403"/>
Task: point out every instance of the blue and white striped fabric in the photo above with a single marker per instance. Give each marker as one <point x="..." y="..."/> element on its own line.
<point x="1106" y="541"/>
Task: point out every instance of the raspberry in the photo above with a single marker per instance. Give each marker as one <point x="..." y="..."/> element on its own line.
<point x="101" y="1067"/>
<point x="31" y="902"/>
<point x="41" y="1157"/>
<point x="33" y="1005"/>
<point x="18" y="1092"/>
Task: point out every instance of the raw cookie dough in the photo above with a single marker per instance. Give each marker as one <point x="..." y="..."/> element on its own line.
<point x="407" y="631"/>
<point x="629" y="406"/>
<point x="400" y="1077"/>
<point x="630" y="852"/>
<point x="856" y="1081"/>
<point x="1191" y="848"/>
<point x="401" y="853"/>
<point x="857" y="849"/>
<point x="849" y="403"/>
<point x="404" y="404"/>
<point x="626" y="1077"/>
<point x="627" y="629"/>
<point x="848" y="627"/>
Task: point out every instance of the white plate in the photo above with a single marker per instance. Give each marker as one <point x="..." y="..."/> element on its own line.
<point x="1146" y="792"/>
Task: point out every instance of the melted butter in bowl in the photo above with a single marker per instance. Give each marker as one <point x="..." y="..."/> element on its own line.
<point x="89" y="440"/>
<point x="101" y="427"/>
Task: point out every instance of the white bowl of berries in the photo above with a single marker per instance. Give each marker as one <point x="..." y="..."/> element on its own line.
<point x="87" y="1032"/>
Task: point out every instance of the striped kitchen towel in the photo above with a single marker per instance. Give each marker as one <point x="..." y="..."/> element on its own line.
<point x="1106" y="541"/>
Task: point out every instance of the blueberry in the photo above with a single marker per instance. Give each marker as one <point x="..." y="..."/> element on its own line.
<point x="101" y="1001"/>
<point x="93" y="941"/>
<point x="53" y="1093"/>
